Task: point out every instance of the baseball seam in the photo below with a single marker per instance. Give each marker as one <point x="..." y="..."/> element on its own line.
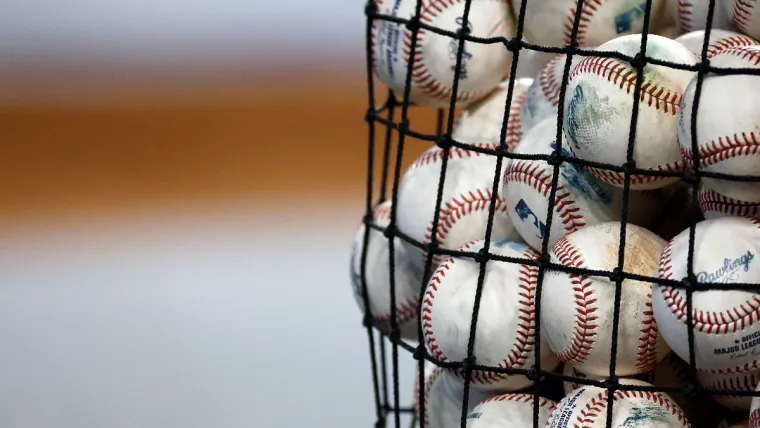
<point x="454" y="210"/>
<point x="726" y="43"/>
<point x="593" y="409"/>
<point x="514" y="124"/>
<point x="728" y="321"/>
<point x="436" y="155"/>
<point x="585" y="321"/>
<point x="421" y="75"/>
<point x="711" y="201"/>
<point x="587" y="12"/>
<point x="520" y="398"/>
<point x="428" y="384"/>
<point x="742" y="12"/>
<point x="754" y="418"/>
<point x="646" y="357"/>
<point x="547" y="81"/>
<point x="531" y="174"/>
<point x="724" y="148"/>
<point x="684" y="15"/>
<point x="738" y="382"/>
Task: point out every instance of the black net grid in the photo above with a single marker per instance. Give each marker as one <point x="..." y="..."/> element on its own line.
<point x="392" y="113"/>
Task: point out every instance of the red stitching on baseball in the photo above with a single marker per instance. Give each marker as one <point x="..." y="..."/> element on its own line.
<point x="514" y="126"/>
<point x="594" y="408"/>
<point x="684" y="15"/>
<point x="646" y="357"/>
<point x="587" y="12"/>
<point x="426" y="394"/>
<point x="425" y="81"/>
<point x="382" y="212"/>
<point x="754" y="418"/>
<point x="742" y="12"/>
<point x="724" y="44"/>
<point x="436" y="155"/>
<point x="524" y="340"/>
<point x="533" y="175"/>
<point x="746" y="53"/>
<point x="548" y="81"/>
<point x="585" y="320"/>
<point x="724" y="148"/>
<point x="614" y="177"/>
<point x="455" y="209"/>
<point x="625" y="78"/>
<point x="711" y="201"/>
<point x="738" y="382"/>
<point x="520" y="398"/>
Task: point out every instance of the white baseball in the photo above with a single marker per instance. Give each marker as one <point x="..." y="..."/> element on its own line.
<point x="745" y="381"/>
<point x="408" y="277"/>
<point x="509" y="410"/>
<point x="550" y="22"/>
<point x="725" y="322"/>
<point x="719" y="41"/>
<point x="691" y="15"/>
<point x="599" y="105"/>
<point x="578" y="327"/>
<point x="444" y="398"/>
<point x="714" y="205"/>
<point x="745" y="15"/>
<point x="728" y="123"/>
<point x="482" y="120"/>
<point x="482" y="66"/>
<point x="580" y="199"/>
<point x="587" y="407"/>
<point x="754" y="411"/>
<point x="463" y="214"/>
<point x="542" y="98"/>
<point x="505" y="334"/>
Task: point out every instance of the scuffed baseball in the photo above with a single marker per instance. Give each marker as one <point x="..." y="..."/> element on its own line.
<point x="578" y="328"/>
<point x="435" y="55"/>
<point x="599" y="107"/>
<point x="587" y="407"/>
<point x="550" y="22"/>
<point x="714" y="205"/>
<point x="509" y="410"/>
<point x="719" y="41"/>
<point x="725" y="322"/>
<point x="744" y="381"/>
<point x="728" y="132"/>
<point x="745" y="15"/>
<point x="691" y="15"/>
<point x="408" y="278"/>
<point x="505" y="334"/>
<point x="542" y="98"/>
<point x="444" y="398"/>
<point x="580" y="199"/>
<point x="467" y="195"/>
<point x="483" y="120"/>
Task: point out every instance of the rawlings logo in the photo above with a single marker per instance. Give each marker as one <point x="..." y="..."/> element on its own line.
<point x="729" y="271"/>
<point x="454" y="48"/>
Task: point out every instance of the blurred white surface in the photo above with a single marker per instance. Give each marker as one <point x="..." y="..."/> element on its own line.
<point x="186" y="318"/>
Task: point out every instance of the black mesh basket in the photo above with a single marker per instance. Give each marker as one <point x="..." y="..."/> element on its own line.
<point x="389" y="117"/>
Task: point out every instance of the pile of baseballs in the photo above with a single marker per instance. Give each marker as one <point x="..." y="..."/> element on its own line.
<point x="571" y="214"/>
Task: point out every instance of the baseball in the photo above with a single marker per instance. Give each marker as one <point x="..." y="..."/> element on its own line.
<point x="719" y="41"/>
<point x="727" y="131"/>
<point x="435" y="55"/>
<point x="754" y="411"/>
<point x="578" y="327"/>
<point x="505" y="332"/>
<point x="745" y="15"/>
<point x="580" y="199"/>
<point x="714" y="205"/>
<point x="725" y="322"/>
<point x="599" y="106"/>
<point x="691" y="15"/>
<point x="745" y="381"/>
<point x="550" y="22"/>
<point x="482" y="120"/>
<point x="542" y="98"/>
<point x="509" y="410"/>
<point x="408" y="278"/>
<point x="587" y="407"/>
<point x="463" y="214"/>
<point x="444" y="398"/>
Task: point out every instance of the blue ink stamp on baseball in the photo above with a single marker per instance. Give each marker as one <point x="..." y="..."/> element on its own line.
<point x="524" y="212"/>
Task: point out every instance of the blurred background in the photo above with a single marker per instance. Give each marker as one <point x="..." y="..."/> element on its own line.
<point x="181" y="183"/>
